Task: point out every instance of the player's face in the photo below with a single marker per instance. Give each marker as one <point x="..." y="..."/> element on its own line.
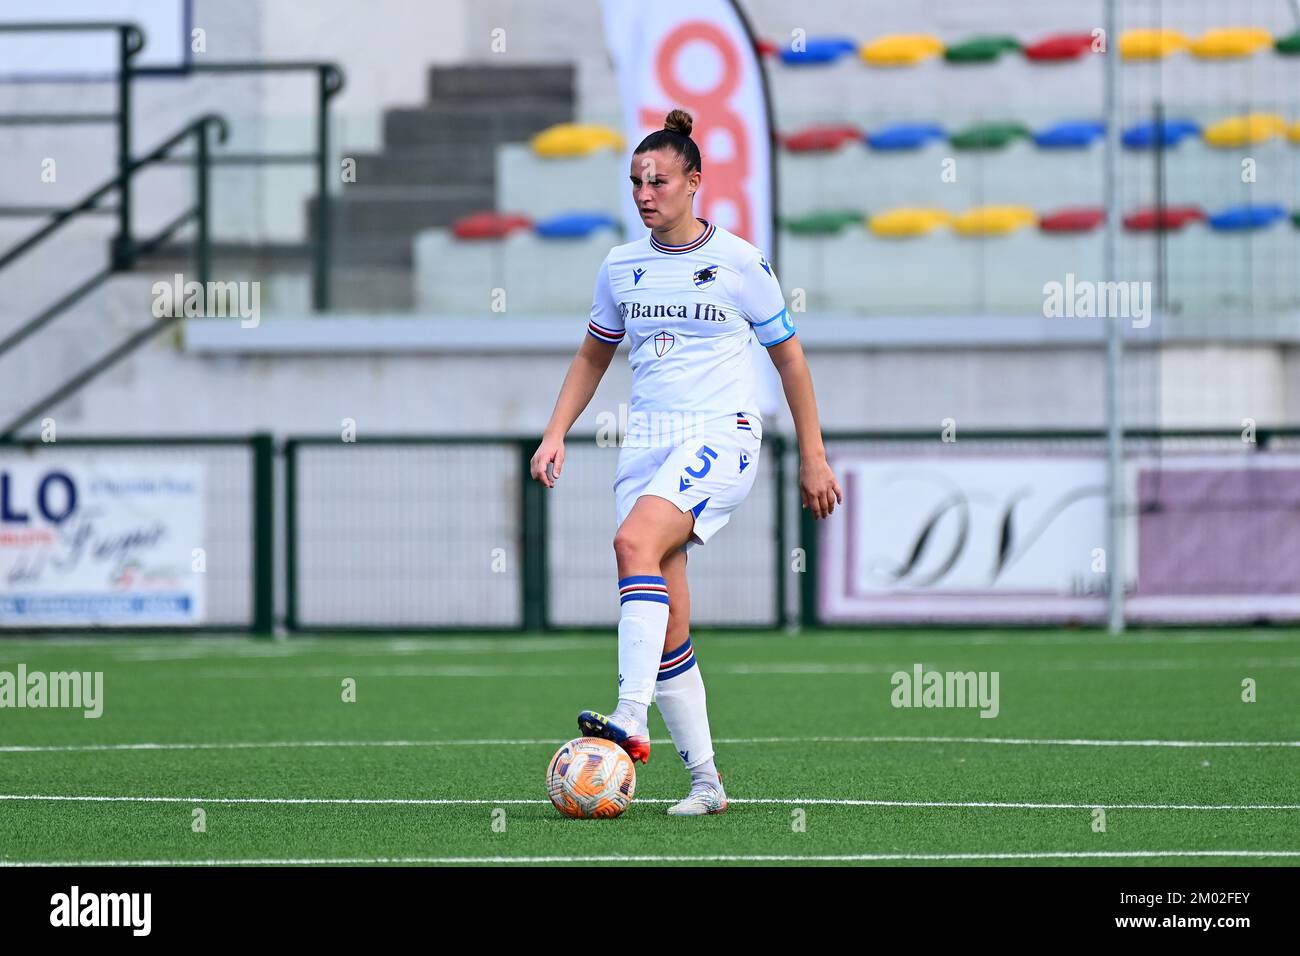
<point x="661" y="190"/>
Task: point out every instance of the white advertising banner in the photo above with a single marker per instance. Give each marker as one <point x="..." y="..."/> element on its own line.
<point x="965" y="539"/>
<point x="97" y="542"/>
<point x="697" y="55"/>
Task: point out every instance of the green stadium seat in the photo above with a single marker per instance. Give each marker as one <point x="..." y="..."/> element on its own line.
<point x="824" y="223"/>
<point x="980" y="49"/>
<point x="989" y="135"/>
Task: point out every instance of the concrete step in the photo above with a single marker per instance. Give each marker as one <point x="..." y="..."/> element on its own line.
<point x="494" y="82"/>
<point x="468" y="162"/>
<point x="380" y="228"/>
<point x="509" y="121"/>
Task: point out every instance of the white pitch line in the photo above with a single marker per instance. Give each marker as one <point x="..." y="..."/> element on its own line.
<point x="701" y="858"/>
<point x="730" y="741"/>
<point x="776" y="801"/>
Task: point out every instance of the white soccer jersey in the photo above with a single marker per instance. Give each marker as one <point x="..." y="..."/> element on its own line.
<point x="690" y="314"/>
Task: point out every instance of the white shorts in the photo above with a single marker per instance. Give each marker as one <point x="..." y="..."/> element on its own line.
<point x="709" y="472"/>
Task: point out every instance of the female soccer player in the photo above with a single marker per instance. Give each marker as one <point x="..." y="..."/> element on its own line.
<point x="690" y="298"/>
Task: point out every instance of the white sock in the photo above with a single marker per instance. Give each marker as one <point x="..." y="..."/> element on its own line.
<point x="641" y="628"/>
<point x="679" y="692"/>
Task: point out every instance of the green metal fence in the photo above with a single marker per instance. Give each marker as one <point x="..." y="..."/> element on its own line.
<point x="449" y="533"/>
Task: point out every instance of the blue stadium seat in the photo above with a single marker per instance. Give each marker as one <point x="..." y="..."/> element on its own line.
<point x="576" y="225"/>
<point x="900" y="136"/>
<point x="1072" y="134"/>
<point x="1246" y="217"/>
<point x="1146" y="135"/>
<point x="819" y="50"/>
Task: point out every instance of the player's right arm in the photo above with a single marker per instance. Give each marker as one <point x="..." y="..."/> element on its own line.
<point x="604" y="333"/>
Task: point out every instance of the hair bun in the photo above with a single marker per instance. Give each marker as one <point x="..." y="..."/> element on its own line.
<point x="679" y="121"/>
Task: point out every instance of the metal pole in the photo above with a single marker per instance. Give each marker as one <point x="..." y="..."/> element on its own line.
<point x="1114" y="332"/>
<point x="122" y="258"/>
<point x="203" y="250"/>
<point x="321" y="283"/>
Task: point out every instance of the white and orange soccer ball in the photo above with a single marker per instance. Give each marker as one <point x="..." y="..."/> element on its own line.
<point x="591" y="778"/>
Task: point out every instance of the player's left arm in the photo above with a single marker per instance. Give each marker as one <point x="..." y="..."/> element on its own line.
<point x="764" y="306"/>
<point x="817" y="483"/>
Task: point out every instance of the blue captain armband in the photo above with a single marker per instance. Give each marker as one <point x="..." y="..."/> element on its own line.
<point x="775" y="330"/>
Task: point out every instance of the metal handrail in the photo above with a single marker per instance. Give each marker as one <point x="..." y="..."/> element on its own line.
<point x="199" y="212"/>
<point x="130" y="41"/>
<point x="329" y="83"/>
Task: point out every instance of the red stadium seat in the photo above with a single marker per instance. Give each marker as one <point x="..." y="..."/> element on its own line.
<point x="1077" y="219"/>
<point x="1064" y="46"/>
<point x="489" y="225"/>
<point x="821" y="138"/>
<point x="1169" y="218"/>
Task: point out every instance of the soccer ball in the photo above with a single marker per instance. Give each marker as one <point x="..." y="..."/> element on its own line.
<point x="590" y="778"/>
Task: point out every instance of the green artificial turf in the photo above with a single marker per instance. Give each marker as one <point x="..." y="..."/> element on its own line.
<point x="463" y="719"/>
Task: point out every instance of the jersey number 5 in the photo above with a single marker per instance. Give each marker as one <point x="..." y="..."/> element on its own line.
<point x="706" y="455"/>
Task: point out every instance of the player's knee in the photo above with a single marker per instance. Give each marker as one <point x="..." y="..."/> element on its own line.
<point x="633" y="549"/>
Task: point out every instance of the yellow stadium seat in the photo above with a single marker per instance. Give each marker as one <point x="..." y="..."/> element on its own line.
<point x="1230" y="42"/>
<point x="1243" y="130"/>
<point x="1293" y="132"/>
<point x="908" y="221"/>
<point x="575" y="139"/>
<point x="994" y="220"/>
<point x="1151" y="44"/>
<point x="901" y="49"/>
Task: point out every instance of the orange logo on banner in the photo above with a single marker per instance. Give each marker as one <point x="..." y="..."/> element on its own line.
<point x="724" y="182"/>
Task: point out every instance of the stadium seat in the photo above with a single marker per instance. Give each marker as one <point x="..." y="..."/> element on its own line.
<point x="577" y="225"/>
<point x="1064" y="46"/>
<point x="980" y="49"/>
<point x="1293" y="132"/>
<point x="988" y="135"/>
<point x="901" y="136"/>
<point x="818" y="50"/>
<point x="821" y="138"/>
<point x="1228" y="42"/>
<point x="1246" y="217"/>
<point x="538" y="274"/>
<point x="489" y="225"/>
<point x="566" y="140"/>
<point x="1151" y="44"/>
<point x="1244" y="130"/>
<point x="993" y="220"/>
<point x="1079" y="219"/>
<point x="1288" y="45"/>
<point x="904" y="49"/>
<point x="907" y="222"/>
<point x="1167" y="133"/>
<point x="823" y="223"/>
<point x="1168" y="218"/>
<point x="1072" y="134"/>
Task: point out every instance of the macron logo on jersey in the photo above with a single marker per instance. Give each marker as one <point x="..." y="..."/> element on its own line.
<point x="766" y="268"/>
<point x="636" y="275"/>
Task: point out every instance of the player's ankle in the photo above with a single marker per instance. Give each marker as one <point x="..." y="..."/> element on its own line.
<point x="630" y="711"/>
